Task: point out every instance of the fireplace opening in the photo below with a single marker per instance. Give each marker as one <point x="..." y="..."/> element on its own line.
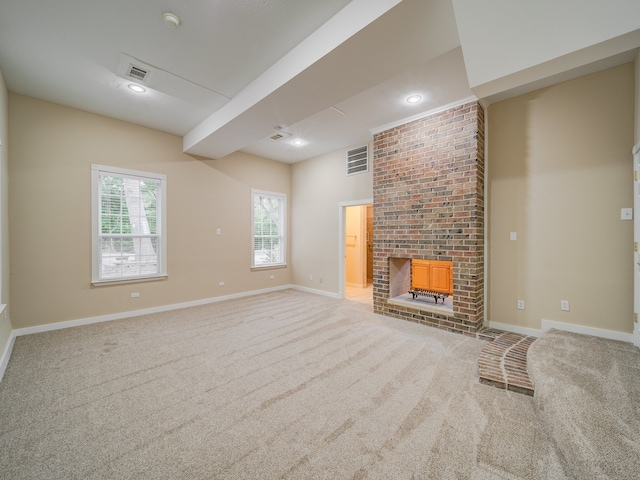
<point x="422" y="284"/>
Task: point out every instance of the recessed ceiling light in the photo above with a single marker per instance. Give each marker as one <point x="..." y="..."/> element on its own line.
<point x="297" y="142"/>
<point x="137" y="88"/>
<point x="171" y="19"/>
<point x="414" y="98"/>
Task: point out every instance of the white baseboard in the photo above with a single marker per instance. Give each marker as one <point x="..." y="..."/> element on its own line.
<point x="136" y="313"/>
<point x="532" y="332"/>
<point x="567" y="327"/>
<point x="594" y="332"/>
<point x="317" y="292"/>
<point x="7" y="348"/>
<point x="6" y="354"/>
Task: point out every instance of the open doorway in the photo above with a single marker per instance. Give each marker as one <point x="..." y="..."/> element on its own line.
<point x="358" y="253"/>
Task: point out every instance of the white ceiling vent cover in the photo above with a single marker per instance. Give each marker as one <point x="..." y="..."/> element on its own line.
<point x="358" y="160"/>
<point x="279" y="135"/>
<point x="137" y="73"/>
<point x="134" y="69"/>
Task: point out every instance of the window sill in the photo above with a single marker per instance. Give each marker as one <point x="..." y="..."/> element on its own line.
<point x="124" y="281"/>
<point x="269" y="267"/>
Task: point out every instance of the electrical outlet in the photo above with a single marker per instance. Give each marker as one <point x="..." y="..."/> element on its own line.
<point x="221" y="284"/>
<point x="218" y="231"/>
<point x="564" y="305"/>
<point x="135" y="295"/>
<point x="520" y="304"/>
<point x="272" y="277"/>
<point x="311" y="277"/>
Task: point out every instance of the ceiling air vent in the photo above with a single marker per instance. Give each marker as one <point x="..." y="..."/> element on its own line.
<point x="358" y="160"/>
<point x="280" y="134"/>
<point x="137" y="73"/>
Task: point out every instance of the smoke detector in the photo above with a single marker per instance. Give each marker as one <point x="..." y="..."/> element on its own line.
<point x="171" y="19"/>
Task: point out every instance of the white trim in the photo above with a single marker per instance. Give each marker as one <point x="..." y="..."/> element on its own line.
<point x="161" y="217"/>
<point x="636" y="238"/>
<point x="4" y="358"/>
<point x="546" y="324"/>
<point x="4" y="196"/>
<point x="593" y="331"/>
<point x="283" y="199"/>
<point x="532" y="332"/>
<point x="356" y="203"/>
<point x="8" y="347"/>
<point x="342" y="232"/>
<point x="567" y="327"/>
<point x="161" y="177"/>
<point x="124" y="281"/>
<point x="428" y="113"/>
<point x="316" y="292"/>
<point x="342" y="229"/>
<point x="6" y="355"/>
<point x="269" y="267"/>
<point x="487" y="207"/>
<point x="136" y="313"/>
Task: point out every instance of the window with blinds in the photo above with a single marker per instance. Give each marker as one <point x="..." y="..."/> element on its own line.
<point x="268" y="229"/>
<point x="128" y="225"/>
<point x="358" y="160"/>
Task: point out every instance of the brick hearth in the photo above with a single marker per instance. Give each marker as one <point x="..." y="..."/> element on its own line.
<point x="503" y="363"/>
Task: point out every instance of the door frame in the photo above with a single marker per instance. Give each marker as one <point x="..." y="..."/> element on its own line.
<point x="342" y="232"/>
<point x="636" y="244"/>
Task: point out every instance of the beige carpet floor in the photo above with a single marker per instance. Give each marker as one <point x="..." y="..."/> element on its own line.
<point x="282" y="385"/>
<point x="588" y="396"/>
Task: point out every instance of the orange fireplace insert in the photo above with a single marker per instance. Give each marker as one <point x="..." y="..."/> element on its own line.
<point x="433" y="278"/>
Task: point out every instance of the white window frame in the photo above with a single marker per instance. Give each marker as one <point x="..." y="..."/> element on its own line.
<point x="282" y="197"/>
<point x="161" y="225"/>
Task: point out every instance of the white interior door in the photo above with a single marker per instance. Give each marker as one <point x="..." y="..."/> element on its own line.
<point x="636" y="240"/>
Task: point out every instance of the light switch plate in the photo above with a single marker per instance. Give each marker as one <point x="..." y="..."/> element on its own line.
<point x="626" y="214"/>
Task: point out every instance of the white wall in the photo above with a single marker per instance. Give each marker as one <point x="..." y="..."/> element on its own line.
<point x="559" y="172"/>
<point x="52" y="149"/>
<point x="318" y="186"/>
<point x="535" y="37"/>
<point x="636" y="129"/>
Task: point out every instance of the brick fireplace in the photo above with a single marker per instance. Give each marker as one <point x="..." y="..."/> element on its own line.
<point x="428" y="190"/>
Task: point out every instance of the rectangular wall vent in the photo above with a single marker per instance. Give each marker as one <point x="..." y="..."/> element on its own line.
<point x="358" y="160"/>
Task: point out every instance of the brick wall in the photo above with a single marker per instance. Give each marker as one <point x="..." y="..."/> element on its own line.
<point x="428" y="189"/>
